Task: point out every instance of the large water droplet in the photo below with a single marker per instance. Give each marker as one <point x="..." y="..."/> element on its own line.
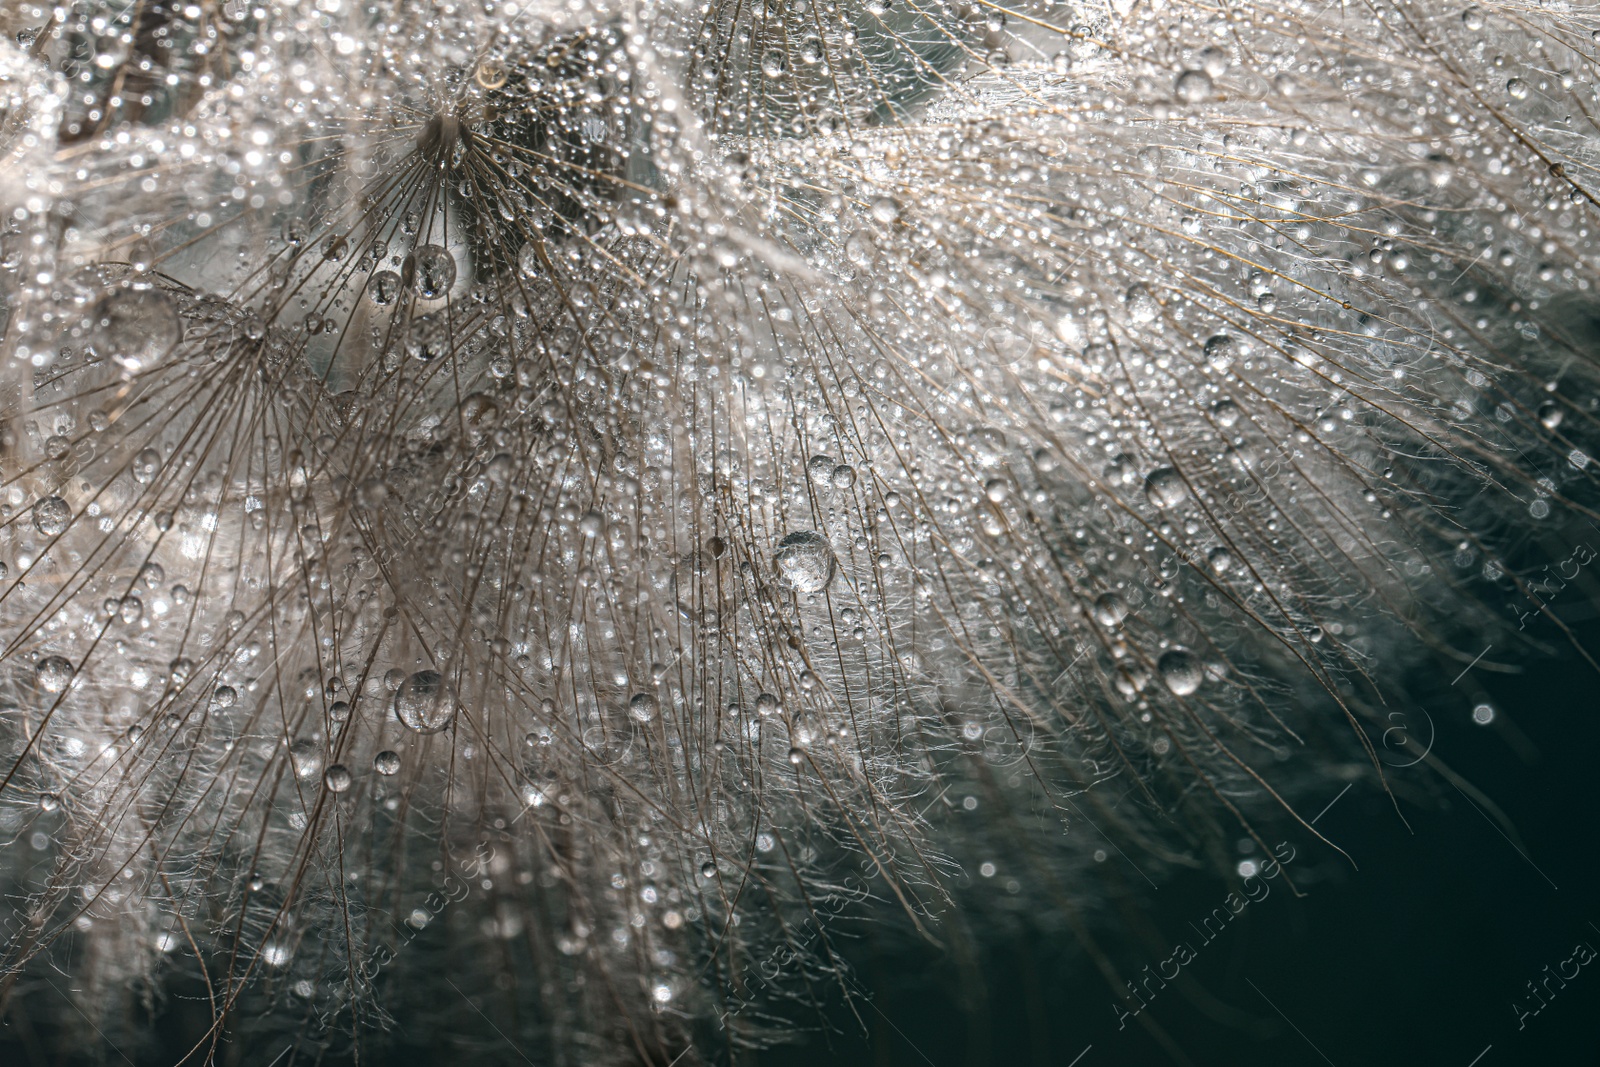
<point x="384" y="287"/>
<point x="146" y="465"/>
<point x="805" y="561"/>
<point x="54" y="673"/>
<point x="643" y="707"/>
<point x="1142" y="306"/>
<point x="1165" y="488"/>
<point x="1193" y="87"/>
<point x="1181" y="670"/>
<point x="1109" y="610"/>
<point x="425" y="703"/>
<point x="305" y="755"/>
<point x="51" y="516"/>
<point x="134" y="327"/>
<point x="436" y="271"/>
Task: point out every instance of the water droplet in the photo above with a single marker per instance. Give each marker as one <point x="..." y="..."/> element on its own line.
<point x="843" y="476"/>
<point x="1181" y="670"/>
<point x="337" y="778"/>
<point x="1165" y="488"/>
<point x="1517" y="89"/>
<point x="384" y="288"/>
<point x="988" y="446"/>
<point x="1109" y="610"/>
<point x="425" y="702"/>
<point x="49" y="801"/>
<point x="1193" y="87"/>
<point x="436" y="271"/>
<point x="820" y="468"/>
<point x="528" y="261"/>
<point x="643" y="707"/>
<point x="134" y="327"/>
<point x="1142" y="306"/>
<point x="305" y="755"/>
<point x="386" y="762"/>
<point x="51" y="516"/>
<point x="146" y="465"/>
<point x="225" y="696"/>
<point x="1220" y="351"/>
<point x="805" y="561"/>
<point x="54" y="673"/>
<point x="772" y="63"/>
<point x="491" y="74"/>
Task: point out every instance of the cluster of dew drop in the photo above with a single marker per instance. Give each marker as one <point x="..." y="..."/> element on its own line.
<point x="674" y="455"/>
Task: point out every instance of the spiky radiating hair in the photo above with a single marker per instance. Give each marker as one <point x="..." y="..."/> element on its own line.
<point x="555" y="499"/>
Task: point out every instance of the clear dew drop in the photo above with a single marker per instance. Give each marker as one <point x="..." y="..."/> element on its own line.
<point x="843" y="476"/>
<point x="1220" y="352"/>
<point x="384" y="288"/>
<point x="1164" y="488"/>
<point x="820" y="468"/>
<point x="1193" y="87"/>
<point x="643" y="707"/>
<point x="146" y="465"/>
<point x="1550" y="415"/>
<point x="1142" y="306"/>
<point x="805" y="561"/>
<point x="337" y="778"/>
<point x="305" y="756"/>
<point x="425" y="703"/>
<point x="1109" y="610"/>
<point x="135" y="327"/>
<point x="386" y="763"/>
<point x="225" y="696"/>
<point x="1181" y="671"/>
<point x="51" y="516"/>
<point x="436" y="272"/>
<point x="54" y="673"/>
<point x="529" y="265"/>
